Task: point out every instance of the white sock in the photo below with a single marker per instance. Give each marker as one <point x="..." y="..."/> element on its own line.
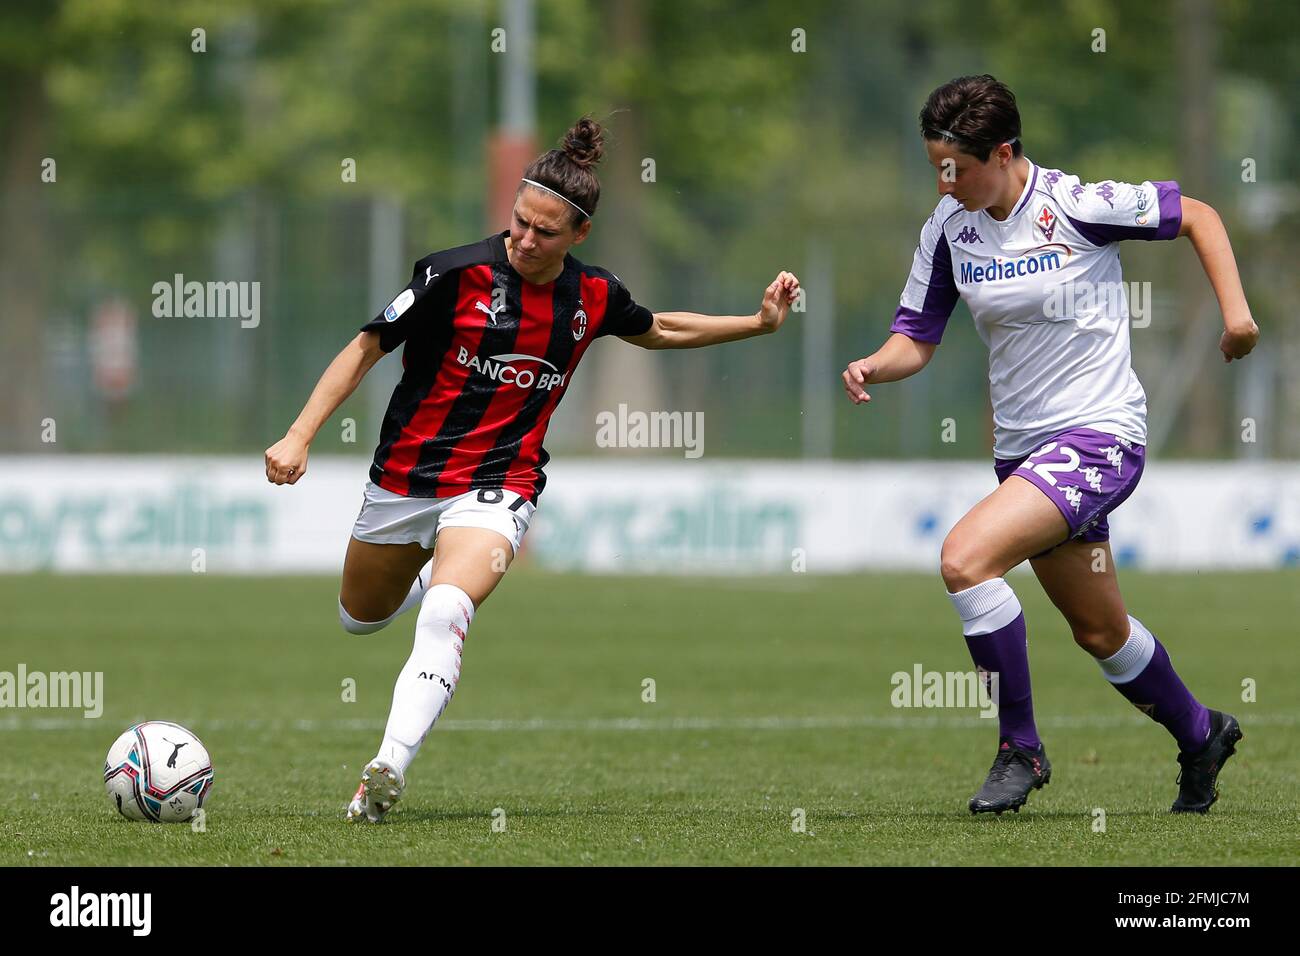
<point x="427" y="682"/>
<point x="418" y="587"/>
<point x="986" y="607"/>
<point x="1131" y="659"/>
<point x="413" y="597"/>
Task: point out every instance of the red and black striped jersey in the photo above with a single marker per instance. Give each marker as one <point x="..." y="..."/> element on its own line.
<point x="487" y="357"/>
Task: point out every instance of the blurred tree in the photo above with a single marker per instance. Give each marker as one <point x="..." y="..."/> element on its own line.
<point x="26" y="256"/>
<point x="228" y="161"/>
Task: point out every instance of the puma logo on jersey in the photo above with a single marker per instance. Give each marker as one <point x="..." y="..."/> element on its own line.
<point x="429" y="276"/>
<point x="491" y="313"/>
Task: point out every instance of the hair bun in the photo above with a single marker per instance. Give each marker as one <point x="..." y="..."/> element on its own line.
<point x="584" y="143"/>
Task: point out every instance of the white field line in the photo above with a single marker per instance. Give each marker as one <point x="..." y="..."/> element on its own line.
<point x="15" y="724"/>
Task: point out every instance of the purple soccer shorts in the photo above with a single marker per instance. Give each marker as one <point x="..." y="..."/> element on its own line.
<point x="1086" y="473"/>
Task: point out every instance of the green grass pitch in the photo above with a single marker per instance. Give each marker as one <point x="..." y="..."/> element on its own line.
<point x="772" y="697"/>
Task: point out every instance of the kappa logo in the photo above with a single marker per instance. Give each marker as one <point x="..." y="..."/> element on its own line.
<point x="968" y="234"/>
<point x="1115" y="457"/>
<point x="1073" y="495"/>
<point x="1046" y="222"/>
<point x="1093" y="477"/>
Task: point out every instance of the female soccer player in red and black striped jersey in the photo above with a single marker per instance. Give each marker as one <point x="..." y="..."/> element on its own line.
<point x="493" y="332"/>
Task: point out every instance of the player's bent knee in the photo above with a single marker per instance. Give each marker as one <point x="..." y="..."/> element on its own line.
<point x="354" y="626"/>
<point x="960" y="568"/>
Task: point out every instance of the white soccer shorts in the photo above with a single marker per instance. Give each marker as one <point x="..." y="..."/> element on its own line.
<point x="388" y="518"/>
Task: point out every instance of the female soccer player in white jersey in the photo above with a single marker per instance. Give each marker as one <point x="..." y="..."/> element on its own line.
<point x="1034" y="252"/>
<point x="492" y="333"/>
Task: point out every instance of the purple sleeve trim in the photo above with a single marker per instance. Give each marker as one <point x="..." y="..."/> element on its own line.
<point x="941" y="296"/>
<point x="1171" y="220"/>
<point x="941" y="291"/>
<point x="1171" y="208"/>
<point x="922" y="326"/>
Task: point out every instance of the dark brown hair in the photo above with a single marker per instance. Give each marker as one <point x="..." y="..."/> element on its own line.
<point x="977" y="113"/>
<point x="570" y="170"/>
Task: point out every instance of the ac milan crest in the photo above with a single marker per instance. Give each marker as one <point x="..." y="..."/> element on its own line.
<point x="579" y="325"/>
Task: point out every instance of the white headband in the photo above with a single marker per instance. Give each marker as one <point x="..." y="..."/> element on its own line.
<point x="944" y="132"/>
<point x="533" y="182"/>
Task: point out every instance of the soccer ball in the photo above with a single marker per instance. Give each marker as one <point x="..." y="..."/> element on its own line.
<point x="157" y="771"/>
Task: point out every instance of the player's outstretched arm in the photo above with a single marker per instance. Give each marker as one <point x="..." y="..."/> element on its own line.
<point x="690" y="330"/>
<point x="898" y="358"/>
<point x="286" y="460"/>
<point x="1203" y="226"/>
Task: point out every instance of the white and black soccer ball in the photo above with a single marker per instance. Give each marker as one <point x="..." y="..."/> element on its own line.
<point x="157" y="771"/>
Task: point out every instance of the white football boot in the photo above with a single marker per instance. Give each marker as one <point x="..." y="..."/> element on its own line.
<point x="381" y="787"/>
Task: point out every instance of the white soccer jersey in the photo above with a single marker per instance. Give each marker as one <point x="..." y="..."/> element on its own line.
<point x="1045" y="290"/>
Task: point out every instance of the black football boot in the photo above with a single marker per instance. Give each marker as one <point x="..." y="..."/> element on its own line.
<point x="1014" y="773"/>
<point x="1196" y="781"/>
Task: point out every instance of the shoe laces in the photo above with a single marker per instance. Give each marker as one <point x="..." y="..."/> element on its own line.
<point x="1002" y="764"/>
<point x="1187" y="764"/>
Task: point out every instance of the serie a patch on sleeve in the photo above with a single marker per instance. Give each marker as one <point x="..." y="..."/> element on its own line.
<point x="399" y="305"/>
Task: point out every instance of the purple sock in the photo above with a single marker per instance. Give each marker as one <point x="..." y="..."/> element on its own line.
<point x="999" y="645"/>
<point x="1143" y="673"/>
<point x="1005" y="652"/>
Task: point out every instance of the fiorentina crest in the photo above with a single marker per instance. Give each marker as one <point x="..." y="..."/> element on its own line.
<point x="1046" y="222"/>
